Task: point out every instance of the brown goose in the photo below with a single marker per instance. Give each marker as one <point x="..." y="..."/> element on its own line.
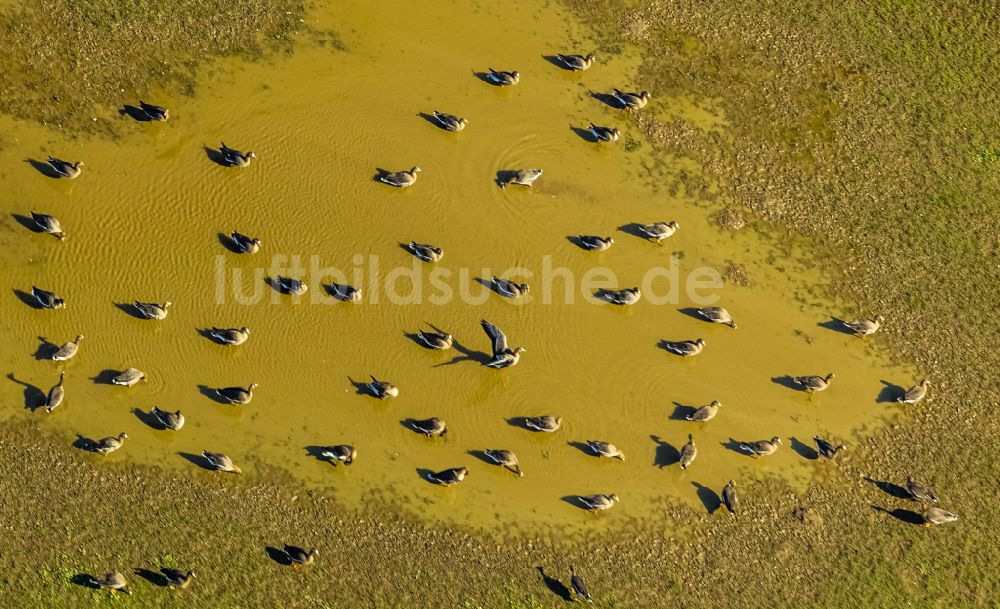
<point x="344" y="453"/>
<point x="521" y="177"/>
<point x="65" y="168"/>
<point x="624" y="297"/>
<point x="230" y="336"/>
<point x="177" y="578"/>
<point x="234" y="158"/>
<point x="67" y="351"/>
<point x="935" y="516"/>
<point x="706" y="412"/>
<point x="684" y="348"/>
<point x="576" y="63"/>
<point x="173" y="421"/>
<point x="916" y="393"/>
<point x="505" y="459"/>
<point x="599" y="501"/>
<point x="345" y="293"/>
<point x="826" y="449"/>
<point x="48" y="224"/>
<point x="658" y="231"/>
<point x="689" y="452"/>
<point x="382" y="389"/>
<point x="425" y="252"/>
<point x="503" y="79"/>
<point x="605" y="449"/>
<point x="632" y="101"/>
<point x="604" y="134"/>
<point x="717" y="315"/>
<point x="449" y="477"/>
<point x="579" y="587"/>
<point x="289" y="285"/>
<point x="594" y="243"/>
<point x="108" y="445"/>
<point x="300" y="557"/>
<point x="545" y="423"/>
<point x="510" y="289"/>
<point x="237" y="395"/>
<point x="503" y="355"/>
<point x="813" y="383"/>
<point x="114" y="582"/>
<point x="729" y="498"/>
<point x="151" y="310"/>
<point x="450" y="122"/>
<point x="244" y="244"/>
<point x="46" y="299"/>
<point x="436" y="340"/>
<point x="221" y="462"/>
<point x="56" y="394"/>
<point x="920" y="492"/>
<point x="128" y="377"/>
<point x="432" y="427"/>
<point x="400" y="179"/>
<point x="865" y="327"/>
<point x="761" y="448"/>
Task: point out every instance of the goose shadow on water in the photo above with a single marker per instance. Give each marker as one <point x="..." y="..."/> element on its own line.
<point x="206" y="333"/>
<point x="554" y="60"/>
<point x="488" y="284"/>
<point x="603" y="295"/>
<point x="804" y="450"/>
<point x="481" y="455"/>
<point x="555" y="586"/>
<point x="577" y="502"/>
<point x="681" y="412"/>
<point x="83" y="443"/>
<point x="485" y="77"/>
<point x="504" y="177"/>
<point x="520" y="422"/>
<point x="361" y="387"/>
<point x="227" y="242"/>
<point x="582" y="447"/>
<point x="316" y="452"/>
<point x="890" y="488"/>
<point x="27" y="223"/>
<point x="467" y="354"/>
<point x="734" y="446"/>
<point x="27" y="298"/>
<point x="34" y="397"/>
<point x="198" y="460"/>
<point x="278" y="555"/>
<point x="129" y="309"/>
<point x="575" y="240"/>
<point x="786" y="381"/>
<point x="634" y="229"/>
<point x="45" y="349"/>
<point x="148" y="418"/>
<point x="427" y="116"/>
<point x="43" y="168"/>
<point x="890" y="393"/>
<point x="836" y="325"/>
<point x="215" y="155"/>
<point x="901" y="514"/>
<point x="666" y="454"/>
<point x="272" y="282"/>
<point x="380" y="174"/>
<point x="423" y="473"/>
<point x="584" y="134"/>
<point x="135" y="113"/>
<point x="709" y="498"/>
<point x="154" y="577"/>
<point x="85" y="580"/>
<point x="691" y="312"/>
<point x="607" y="99"/>
<point x="212" y="393"/>
<point x="104" y="376"/>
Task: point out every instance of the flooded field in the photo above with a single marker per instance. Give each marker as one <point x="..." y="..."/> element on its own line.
<point x="144" y="223"/>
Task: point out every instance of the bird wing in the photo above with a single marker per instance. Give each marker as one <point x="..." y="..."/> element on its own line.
<point x="499" y="338"/>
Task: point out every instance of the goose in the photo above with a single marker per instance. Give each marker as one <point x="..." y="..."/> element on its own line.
<point x="344" y="453"/>
<point x="400" y="179"/>
<point x="685" y="348"/>
<point x="436" y="340"/>
<point x="920" y="492"/>
<point x="826" y="449"/>
<point x="594" y="243"/>
<point x="382" y="389"/>
<point x="505" y="459"/>
<point x="177" y="578"/>
<point x="109" y="445"/>
<point x="154" y="112"/>
<point x="935" y="515"/>
<point x="67" y="351"/>
<point x="813" y="383"/>
<point x="544" y="423"/>
<point x="48" y="224"/>
<point x="56" y="394"/>
<point x="865" y="327"/>
<point x="244" y="244"/>
<point x="46" y="299"/>
<point x="689" y="452"/>
<point x="290" y="286"/>
<point x="230" y="336"/>
<point x="508" y="288"/>
<point x="151" y="310"/>
<point x="521" y="177"/>
<point x="579" y="587"/>
<point x="448" y="477"/>
<point x="503" y="356"/>
<point x="220" y="462"/>
<point x="234" y="158"/>
<point x="717" y="315"/>
<point x="300" y="557"/>
<point x="604" y="134"/>
<point x="128" y="377"/>
<point x="503" y="79"/>
<point x="761" y="448"/>
<point x="450" y="122"/>
<point x="658" y="231"/>
<point x="599" y="502"/>
<point x="237" y="395"/>
<point x="65" y="168"/>
<point x="576" y="63"/>
<point x="626" y="296"/>
<point x="632" y="101"/>
<point x="605" y="449"/>
<point x="344" y="292"/>
<point x="729" y="497"/>
<point x="111" y="581"/>
<point x="432" y="427"/>
<point x="705" y="413"/>
<point x="173" y="421"/>
<point x="425" y="252"/>
<point x="915" y="394"/>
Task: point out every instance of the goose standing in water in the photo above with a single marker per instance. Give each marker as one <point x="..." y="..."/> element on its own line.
<point x="576" y="63"/>
<point x="344" y="453"/>
<point x="436" y="340"/>
<point x="154" y="112"/>
<point x="237" y="395"/>
<point x="935" y="516"/>
<point x="504" y="458"/>
<point x="865" y="327"/>
<point x="300" y="557"/>
<point x="234" y="158"/>
<point x="594" y="243"/>
<point x="432" y="427"/>
<point x="623" y="297"/>
<point x="705" y="413"/>
<point x="290" y="286"/>
<point x="605" y="449"/>
<point x="114" y="582"/>
<point x="503" y="79"/>
<point x="128" y="377"/>
<point x="56" y="394"/>
<point x="508" y="288"/>
<point x="920" y="492"/>
<point x="632" y="101"/>
<point x="521" y="177"/>
<point x="729" y="498"/>
<point x="230" y="336"/>
<point x="244" y="244"/>
<point x="65" y="168"/>
<point x="684" y="348"/>
<point x="67" y="351"/>
<point x="813" y="383"/>
<point x="761" y="448"/>
<point x="599" y="502"/>
<point x="604" y="134"/>
<point x="151" y="310"/>
<point x="108" y="445"/>
<point x="48" y="224"/>
<point x="382" y="389"/>
<point x="450" y="122"/>
<point x="915" y="394"/>
<point x="220" y="462"/>
<point x="717" y="315"/>
<point x="345" y="293"/>
<point x="46" y="299"/>
<point x="826" y="449"/>
<point x="544" y="423"/>
<point x="177" y="578"/>
<point x="579" y="587"/>
<point x="448" y="477"/>
<point x="400" y="179"/>
<point x="658" y="231"/>
<point x="503" y="356"/>
<point x="425" y="252"/>
<point x="689" y="452"/>
<point x="173" y="421"/>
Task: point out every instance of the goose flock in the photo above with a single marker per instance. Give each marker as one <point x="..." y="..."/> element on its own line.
<point x="502" y="353"/>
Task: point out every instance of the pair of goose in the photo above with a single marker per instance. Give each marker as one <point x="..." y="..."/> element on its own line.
<point x="116" y="582"/>
<point x="932" y="515"/>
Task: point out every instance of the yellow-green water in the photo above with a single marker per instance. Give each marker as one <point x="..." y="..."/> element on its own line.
<point x="143" y="223"/>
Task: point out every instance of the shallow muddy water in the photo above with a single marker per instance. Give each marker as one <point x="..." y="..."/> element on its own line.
<point x="144" y="221"/>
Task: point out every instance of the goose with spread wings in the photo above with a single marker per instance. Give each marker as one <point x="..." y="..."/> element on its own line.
<point x="503" y="356"/>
